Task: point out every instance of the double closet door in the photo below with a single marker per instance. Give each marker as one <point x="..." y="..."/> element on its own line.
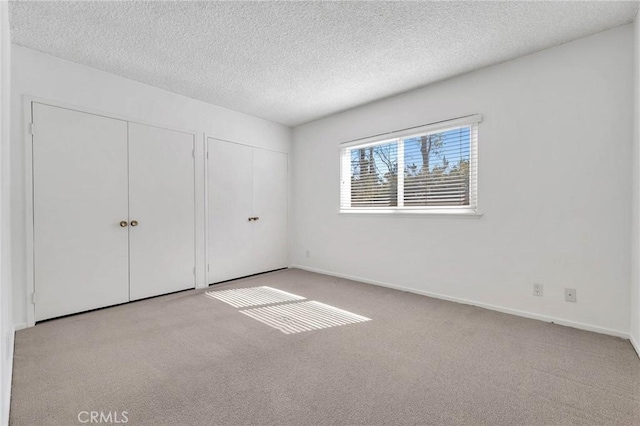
<point x="113" y="211"/>
<point x="247" y="205"/>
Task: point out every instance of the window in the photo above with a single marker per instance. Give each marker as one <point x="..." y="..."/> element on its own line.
<point x="430" y="169"/>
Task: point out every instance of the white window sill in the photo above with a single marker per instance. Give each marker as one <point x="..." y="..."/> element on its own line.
<point x="441" y="213"/>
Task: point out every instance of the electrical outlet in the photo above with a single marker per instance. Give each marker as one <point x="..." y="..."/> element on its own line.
<point x="537" y="289"/>
<point x="570" y="295"/>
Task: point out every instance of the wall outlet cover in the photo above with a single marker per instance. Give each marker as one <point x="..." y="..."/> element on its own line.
<point x="570" y="295"/>
<point x="537" y="289"/>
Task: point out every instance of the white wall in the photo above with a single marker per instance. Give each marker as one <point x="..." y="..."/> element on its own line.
<point x="6" y="319"/>
<point x="554" y="185"/>
<point x="45" y="76"/>
<point x="635" y="211"/>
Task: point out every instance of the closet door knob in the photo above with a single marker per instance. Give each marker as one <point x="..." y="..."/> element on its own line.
<point x="134" y="223"/>
<point x="123" y="224"/>
<point x="256" y="218"/>
<point x="251" y="219"/>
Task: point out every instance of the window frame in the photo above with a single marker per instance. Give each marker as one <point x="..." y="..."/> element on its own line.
<point x="398" y="136"/>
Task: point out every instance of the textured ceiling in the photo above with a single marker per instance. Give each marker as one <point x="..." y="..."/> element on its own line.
<point x="294" y="62"/>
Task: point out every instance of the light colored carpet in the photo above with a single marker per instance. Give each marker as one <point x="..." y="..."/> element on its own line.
<point x="187" y="359"/>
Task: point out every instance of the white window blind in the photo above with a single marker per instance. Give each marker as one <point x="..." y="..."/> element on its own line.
<point x="432" y="168"/>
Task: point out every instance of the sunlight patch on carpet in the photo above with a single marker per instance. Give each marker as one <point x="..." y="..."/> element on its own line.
<point x="303" y="316"/>
<point x="253" y="296"/>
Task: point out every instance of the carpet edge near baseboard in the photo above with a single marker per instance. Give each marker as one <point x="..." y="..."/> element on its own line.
<point x="497" y="308"/>
<point x="635" y="345"/>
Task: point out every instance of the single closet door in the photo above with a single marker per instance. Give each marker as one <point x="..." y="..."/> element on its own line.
<point x="270" y="188"/>
<point x="230" y="205"/>
<point x="161" y="211"/>
<point x="80" y="199"/>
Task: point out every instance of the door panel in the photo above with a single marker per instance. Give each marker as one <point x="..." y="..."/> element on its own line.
<point x="80" y="197"/>
<point x="270" y="190"/>
<point x="161" y="200"/>
<point x="230" y="189"/>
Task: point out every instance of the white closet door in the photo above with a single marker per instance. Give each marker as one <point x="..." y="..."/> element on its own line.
<point x="270" y="190"/>
<point x="80" y="198"/>
<point x="161" y="211"/>
<point x="230" y="204"/>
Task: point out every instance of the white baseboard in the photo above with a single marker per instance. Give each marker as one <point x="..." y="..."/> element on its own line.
<point x="525" y="314"/>
<point x="21" y="326"/>
<point x="635" y="345"/>
<point x="6" y="400"/>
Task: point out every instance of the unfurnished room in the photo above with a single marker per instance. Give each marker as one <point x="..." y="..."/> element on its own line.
<point x="319" y="213"/>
